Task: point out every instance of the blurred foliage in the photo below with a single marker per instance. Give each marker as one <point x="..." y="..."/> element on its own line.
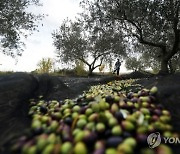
<point x="45" y="66"/>
<point x="142" y="62"/>
<point x="145" y="61"/>
<point x="174" y="63"/>
<point x="132" y="63"/>
<point x="80" y="69"/>
<point x="5" y="72"/>
<point x="152" y="24"/>
<point x="101" y="68"/>
<point x="15" y="23"/>
<point x="69" y="72"/>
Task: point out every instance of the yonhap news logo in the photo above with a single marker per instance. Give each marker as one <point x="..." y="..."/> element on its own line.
<point x="155" y="139"/>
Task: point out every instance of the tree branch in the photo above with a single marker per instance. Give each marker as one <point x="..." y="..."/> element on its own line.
<point x="84" y="61"/>
<point x="141" y="39"/>
<point x="99" y="64"/>
<point x="98" y="57"/>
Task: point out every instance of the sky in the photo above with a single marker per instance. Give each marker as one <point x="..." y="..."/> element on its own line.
<point x="40" y="44"/>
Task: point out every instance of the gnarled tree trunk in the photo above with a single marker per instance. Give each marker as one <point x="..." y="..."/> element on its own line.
<point x="90" y="70"/>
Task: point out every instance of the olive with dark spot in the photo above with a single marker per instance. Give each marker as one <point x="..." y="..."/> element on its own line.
<point x="43" y="109"/>
<point x="119" y="116"/>
<point x="68" y="121"/>
<point x="109" y="99"/>
<point x="114" y="141"/>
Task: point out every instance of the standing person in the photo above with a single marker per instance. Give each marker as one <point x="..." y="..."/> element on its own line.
<point x="117" y="66"/>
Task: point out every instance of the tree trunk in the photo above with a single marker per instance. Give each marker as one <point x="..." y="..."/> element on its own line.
<point x="164" y="66"/>
<point x="90" y="70"/>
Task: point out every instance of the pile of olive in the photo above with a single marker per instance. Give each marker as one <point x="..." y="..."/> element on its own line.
<point x="107" y="119"/>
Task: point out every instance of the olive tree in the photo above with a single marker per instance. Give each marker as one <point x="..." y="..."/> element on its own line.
<point x="88" y="43"/>
<point x="45" y="65"/>
<point x="133" y="63"/>
<point x="153" y="23"/>
<point x="16" y="22"/>
<point x="142" y="62"/>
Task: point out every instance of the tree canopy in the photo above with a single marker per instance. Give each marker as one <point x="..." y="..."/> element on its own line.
<point x="88" y="42"/>
<point x="15" y="22"/>
<point x="152" y="23"/>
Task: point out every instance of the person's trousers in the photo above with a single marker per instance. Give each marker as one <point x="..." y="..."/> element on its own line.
<point x="118" y="71"/>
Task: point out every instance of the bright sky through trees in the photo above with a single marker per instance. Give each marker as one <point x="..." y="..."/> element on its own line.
<point x="39" y="45"/>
